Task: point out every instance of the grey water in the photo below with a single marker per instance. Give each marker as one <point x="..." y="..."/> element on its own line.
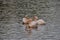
<point x="12" y="12"/>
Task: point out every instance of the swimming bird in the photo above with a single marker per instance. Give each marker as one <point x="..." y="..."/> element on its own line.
<point x="33" y="23"/>
<point x="25" y="19"/>
<point x="41" y="22"/>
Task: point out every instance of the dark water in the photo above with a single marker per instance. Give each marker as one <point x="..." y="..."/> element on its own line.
<point x="12" y="12"/>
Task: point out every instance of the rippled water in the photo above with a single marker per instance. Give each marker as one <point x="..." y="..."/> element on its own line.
<point x="11" y="27"/>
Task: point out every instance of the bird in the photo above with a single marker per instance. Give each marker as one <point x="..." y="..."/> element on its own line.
<point x="41" y="22"/>
<point x="33" y="23"/>
<point x="25" y="19"/>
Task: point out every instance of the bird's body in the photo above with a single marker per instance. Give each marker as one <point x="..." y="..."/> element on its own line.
<point x="33" y="23"/>
<point x="25" y="21"/>
<point x="41" y="22"/>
